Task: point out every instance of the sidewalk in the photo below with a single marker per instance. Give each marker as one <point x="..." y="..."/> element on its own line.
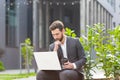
<point x="97" y="75"/>
<point x="18" y="72"/>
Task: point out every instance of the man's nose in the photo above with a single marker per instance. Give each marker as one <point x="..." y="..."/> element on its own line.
<point x="55" y="36"/>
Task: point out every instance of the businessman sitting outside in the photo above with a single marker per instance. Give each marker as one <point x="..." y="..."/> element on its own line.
<point x="70" y="53"/>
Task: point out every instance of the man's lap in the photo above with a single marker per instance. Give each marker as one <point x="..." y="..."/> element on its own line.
<point x="55" y="75"/>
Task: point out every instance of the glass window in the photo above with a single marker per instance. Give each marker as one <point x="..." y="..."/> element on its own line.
<point x="10" y="23"/>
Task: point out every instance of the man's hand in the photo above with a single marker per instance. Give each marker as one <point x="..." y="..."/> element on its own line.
<point x="68" y="65"/>
<point x="57" y="43"/>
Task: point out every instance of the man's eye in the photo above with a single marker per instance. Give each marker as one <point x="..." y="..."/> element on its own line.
<point x="55" y="34"/>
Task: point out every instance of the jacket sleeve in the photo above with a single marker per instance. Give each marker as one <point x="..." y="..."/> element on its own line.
<point x="51" y="47"/>
<point x="81" y="55"/>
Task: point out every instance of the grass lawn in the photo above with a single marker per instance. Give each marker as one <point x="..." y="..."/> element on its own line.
<point x="15" y="76"/>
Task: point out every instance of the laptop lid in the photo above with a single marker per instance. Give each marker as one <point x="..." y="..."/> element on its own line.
<point x="47" y="60"/>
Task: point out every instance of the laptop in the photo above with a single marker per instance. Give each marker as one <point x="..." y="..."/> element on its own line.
<point x="47" y="60"/>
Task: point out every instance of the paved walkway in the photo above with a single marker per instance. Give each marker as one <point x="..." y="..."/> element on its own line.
<point x="98" y="74"/>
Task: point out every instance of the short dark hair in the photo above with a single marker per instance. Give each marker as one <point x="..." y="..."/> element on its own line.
<point x="57" y="25"/>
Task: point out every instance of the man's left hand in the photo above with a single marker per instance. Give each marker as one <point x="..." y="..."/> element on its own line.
<point x="68" y="65"/>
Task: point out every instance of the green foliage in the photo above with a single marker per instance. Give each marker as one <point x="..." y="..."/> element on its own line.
<point x="88" y="44"/>
<point x="70" y="32"/>
<point x="87" y="47"/>
<point x="27" y="49"/>
<point x="15" y="76"/>
<point x="106" y="44"/>
<point x="1" y="66"/>
<point x="115" y="34"/>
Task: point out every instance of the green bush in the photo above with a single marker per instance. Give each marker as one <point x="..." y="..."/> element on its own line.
<point x="106" y="44"/>
<point x="87" y="44"/>
<point x="1" y="66"/>
<point x="27" y="52"/>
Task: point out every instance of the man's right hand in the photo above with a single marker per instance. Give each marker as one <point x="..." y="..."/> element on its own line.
<point x="57" y="44"/>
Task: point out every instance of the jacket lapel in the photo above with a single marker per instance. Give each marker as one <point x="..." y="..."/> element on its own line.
<point x="60" y="52"/>
<point x="68" y="46"/>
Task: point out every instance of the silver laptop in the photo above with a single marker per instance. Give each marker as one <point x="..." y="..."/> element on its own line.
<point x="47" y="60"/>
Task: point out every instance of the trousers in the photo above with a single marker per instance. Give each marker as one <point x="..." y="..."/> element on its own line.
<point x="59" y="75"/>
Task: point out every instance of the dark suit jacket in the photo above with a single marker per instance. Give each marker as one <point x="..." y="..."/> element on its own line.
<point x="75" y="52"/>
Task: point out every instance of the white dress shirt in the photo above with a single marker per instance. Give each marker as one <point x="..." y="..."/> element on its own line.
<point x="64" y="49"/>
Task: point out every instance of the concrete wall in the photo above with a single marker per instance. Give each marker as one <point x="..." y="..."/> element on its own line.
<point x="2" y="24"/>
<point x="116" y="17"/>
<point x="107" y="6"/>
<point x="115" y="13"/>
<point x="21" y="20"/>
<point x="11" y="57"/>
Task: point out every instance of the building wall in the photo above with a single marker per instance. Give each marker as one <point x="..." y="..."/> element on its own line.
<point x="91" y="12"/>
<point x="11" y="57"/>
<point x="116" y="18"/>
<point x="106" y="12"/>
<point x="2" y="24"/>
<point x="98" y="11"/>
<point x="55" y="10"/>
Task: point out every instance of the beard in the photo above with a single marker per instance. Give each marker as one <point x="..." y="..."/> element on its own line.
<point x="60" y="39"/>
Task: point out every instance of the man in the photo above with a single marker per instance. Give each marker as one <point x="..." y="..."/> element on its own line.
<point x="67" y="48"/>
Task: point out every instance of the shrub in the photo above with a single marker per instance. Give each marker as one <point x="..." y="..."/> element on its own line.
<point x="1" y="66"/>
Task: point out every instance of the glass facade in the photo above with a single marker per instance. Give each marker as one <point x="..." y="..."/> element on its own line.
<point x="66" y="11"/>
<point x="10" y="23"/>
